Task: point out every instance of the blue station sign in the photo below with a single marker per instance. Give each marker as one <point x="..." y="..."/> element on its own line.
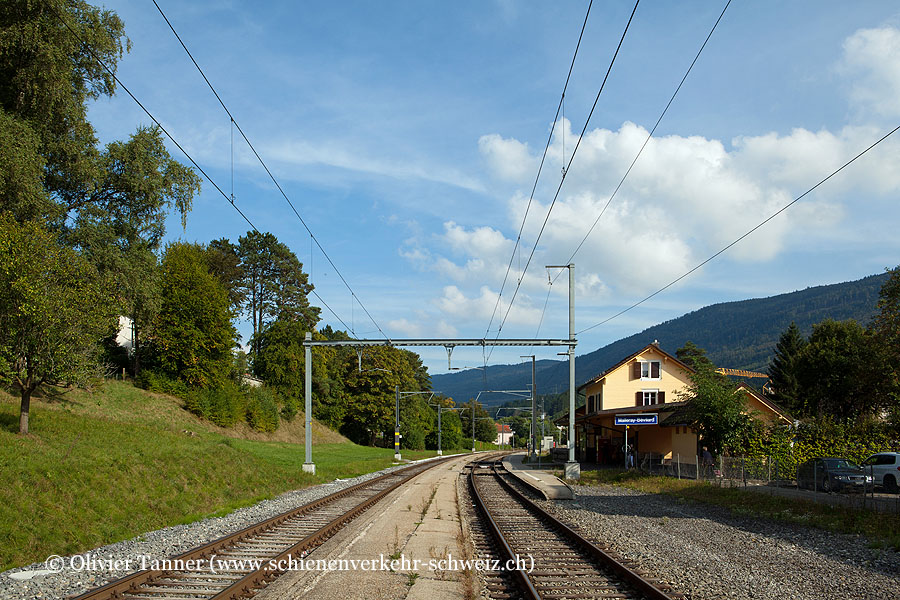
<point x="638" y="419"/>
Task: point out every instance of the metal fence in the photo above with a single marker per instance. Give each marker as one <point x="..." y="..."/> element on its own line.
<point x="765" y="475"/>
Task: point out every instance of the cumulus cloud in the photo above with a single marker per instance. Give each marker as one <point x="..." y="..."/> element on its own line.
<point x="507" y="159"/>
<point x="479" y="308"/>
<point x="686" y="198"/>
<point x="872" y="59"/>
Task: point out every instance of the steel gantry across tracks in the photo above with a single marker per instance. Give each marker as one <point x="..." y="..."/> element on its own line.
<point x="449" y="344"/>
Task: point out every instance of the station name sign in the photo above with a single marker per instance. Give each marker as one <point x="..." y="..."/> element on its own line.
<point x="640" y="419"/>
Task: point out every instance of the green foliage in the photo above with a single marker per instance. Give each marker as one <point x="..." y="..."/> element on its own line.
<point x="485" y="429"/>
<point x="787" y="447"/>
<point x="54" y="309"/>
<point x="280" y="356"/>
<point x="262" y="409"/>
<point x="715" y="411"/>
<point x="834" y="369"/>
<point x="693" y="356"/>
<point x="194" y="336"/>
<point x="272" y="283"/>
<point x="46" y="79"/>
<point x="784" y="370"/>
<point x="225" y="406"/>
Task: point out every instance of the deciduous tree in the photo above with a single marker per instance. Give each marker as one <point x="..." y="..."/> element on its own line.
<point x="194" y="337"/>
<point x="54" y="310"/>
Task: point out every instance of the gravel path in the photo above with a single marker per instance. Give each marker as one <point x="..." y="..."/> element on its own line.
<point x="75" y="578"/>
<point x="705" y="552"/>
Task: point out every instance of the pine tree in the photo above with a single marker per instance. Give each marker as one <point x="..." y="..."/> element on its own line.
<point x="783" y="369"/>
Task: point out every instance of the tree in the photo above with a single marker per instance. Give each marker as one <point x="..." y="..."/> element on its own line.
<point x="485" y="430"/>
<point x="885" y="329"/>
<point x="46" y="79"/>
<point x="715" y="410"/>
<point x="54" y="310"/>
<point x="693" y="356"/>
<point x="119" y="222"/>
<point x="194" y="336"/>
<point x="274" y="285"/>
<point x="280" y="359"/>
<point x="225" y="264"/>
<point x="784" y="369"/>
<point x="834" y="371"/>
<point x="370" y="390"/>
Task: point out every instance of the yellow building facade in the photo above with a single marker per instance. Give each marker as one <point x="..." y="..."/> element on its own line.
<point x="650" y="381"/>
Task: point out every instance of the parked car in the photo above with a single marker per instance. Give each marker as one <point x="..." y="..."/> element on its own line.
<point x="885" y="468"/>
<point x="832" y="475"/>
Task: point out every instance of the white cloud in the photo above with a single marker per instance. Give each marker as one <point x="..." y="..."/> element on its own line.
<point x="479" y="309"/>
<point x="508" y="159"/>
<point x="686" y="198"/>
<point x="872" y="58"/>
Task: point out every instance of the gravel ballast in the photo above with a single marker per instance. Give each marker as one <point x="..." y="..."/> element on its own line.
<point x="706" y="552"/>
<point x="153" y="546"/>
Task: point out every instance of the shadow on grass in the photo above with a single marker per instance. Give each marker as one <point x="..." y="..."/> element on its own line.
<point x="9" y="422"/>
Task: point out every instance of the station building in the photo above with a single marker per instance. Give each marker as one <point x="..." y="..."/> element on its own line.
<point x="648" y="381"/>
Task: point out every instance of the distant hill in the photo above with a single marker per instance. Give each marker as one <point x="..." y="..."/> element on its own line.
<point x="739" y="335"/>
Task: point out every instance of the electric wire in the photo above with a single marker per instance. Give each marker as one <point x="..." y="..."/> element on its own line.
<point x="640" y="151"/>
<point x="169" y="135"/>
<point x="724" y="249"/>
<point x="649" y="136"/>
<point x="559" y="107"/>
<point x="268" y="172"/>
<point x="568" y="166"/>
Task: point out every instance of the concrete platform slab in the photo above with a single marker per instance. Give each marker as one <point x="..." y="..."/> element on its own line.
<point x="415" y="526"/>
<point x="552" y="487"/>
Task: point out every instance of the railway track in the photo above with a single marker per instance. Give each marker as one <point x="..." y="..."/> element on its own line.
<point x="558" y="562"/>
<point x="238" y="566"/>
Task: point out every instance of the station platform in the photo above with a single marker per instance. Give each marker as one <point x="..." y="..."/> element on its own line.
<point x="551" y="486"/>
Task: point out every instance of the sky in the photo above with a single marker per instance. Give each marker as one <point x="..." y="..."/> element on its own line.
<point x="408" y="137"/>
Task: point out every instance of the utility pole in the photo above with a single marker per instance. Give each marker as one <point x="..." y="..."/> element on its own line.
<point x="573" y="469"/>
<point x="397" y="426"/>
<point x="533" y="410"/>
<point x="308" y="465"/>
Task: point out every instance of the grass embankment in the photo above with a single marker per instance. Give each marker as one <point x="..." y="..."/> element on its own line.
<point x="103" y="467"/>
<point x="882" y="530"/>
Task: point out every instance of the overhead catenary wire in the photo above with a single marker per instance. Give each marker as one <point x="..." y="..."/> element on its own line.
<point x="758" y="226"/>
<point x="649" y="136"/>
<point x="559" y="107"/>
<point x="568" y="166"/>
<point x="268" y="172"/>
<point x="639" y="153"/>
<point x="156" y="121"/>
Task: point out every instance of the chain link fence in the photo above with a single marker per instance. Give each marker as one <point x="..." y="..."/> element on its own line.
<point x="766" y="475"/>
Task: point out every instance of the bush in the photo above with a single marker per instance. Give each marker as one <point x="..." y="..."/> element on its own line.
<point x="153" y="381"/>
<point x="414" y="439"/>
<point x="261" y="409"/>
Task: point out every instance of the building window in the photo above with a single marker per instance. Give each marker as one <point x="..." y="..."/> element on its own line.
<point x="650" y="369"/>
<point x="650" y="397"/>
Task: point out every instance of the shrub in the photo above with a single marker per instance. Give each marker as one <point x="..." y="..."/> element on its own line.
<point x="261" y="409"/>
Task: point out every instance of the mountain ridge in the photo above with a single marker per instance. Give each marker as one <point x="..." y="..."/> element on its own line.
<point x="739" y="334"/>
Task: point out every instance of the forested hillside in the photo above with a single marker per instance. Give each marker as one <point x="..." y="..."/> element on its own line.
<point x="735" y="334"/>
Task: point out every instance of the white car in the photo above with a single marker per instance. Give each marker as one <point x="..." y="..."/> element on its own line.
<point x="885" y="467"/>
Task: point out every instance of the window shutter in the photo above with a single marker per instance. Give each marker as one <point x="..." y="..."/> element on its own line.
<point x="654" y="370"/>
<point x="638" y="398"/>
<point x="662" y="397"/>
<point x="636" y="370"/>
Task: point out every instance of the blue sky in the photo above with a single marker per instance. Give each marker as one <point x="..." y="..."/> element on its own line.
<point x="408" y="135"/>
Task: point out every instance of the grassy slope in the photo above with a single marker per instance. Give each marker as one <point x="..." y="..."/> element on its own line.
<point x="58" y="493"/>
